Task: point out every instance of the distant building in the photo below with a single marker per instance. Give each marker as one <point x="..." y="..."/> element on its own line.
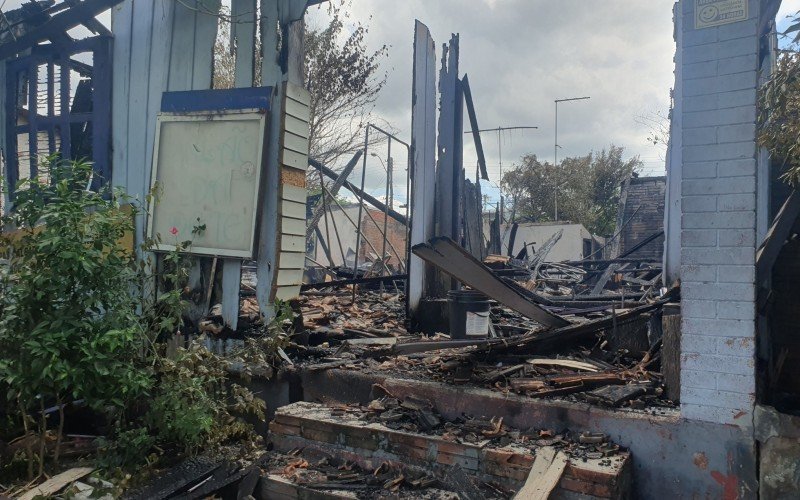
<point x="339" y="228"/>
<point x="576" y="242"/>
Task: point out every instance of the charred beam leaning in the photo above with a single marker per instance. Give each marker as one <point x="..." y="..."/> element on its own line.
<point x="334" y="190"/>
<point x="445" y="254"/>
<point x="473" y="121"/>
<point x="394" y="214"/>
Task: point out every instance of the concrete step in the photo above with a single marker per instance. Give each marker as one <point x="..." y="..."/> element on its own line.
<point x="334" y="431"/>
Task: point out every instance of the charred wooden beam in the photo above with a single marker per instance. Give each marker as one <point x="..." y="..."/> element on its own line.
<point x="473" y="121"/>
<point x="334" y="190"/>
<point x="453" y="260"/>
<point x="354" y="281"/>
<point x="60" y="23"/>
<point x="363" y="195"/>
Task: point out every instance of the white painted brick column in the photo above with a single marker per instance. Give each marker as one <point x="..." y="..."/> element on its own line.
<point x="719" y="67"/>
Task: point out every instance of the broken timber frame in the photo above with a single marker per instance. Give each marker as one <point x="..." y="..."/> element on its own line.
<point x="423" y="165"/>
<point x="449" y="172"/>
<point x="394" y="214"/>
<point x="319" y="211"/>
<point x="453" y="260"/>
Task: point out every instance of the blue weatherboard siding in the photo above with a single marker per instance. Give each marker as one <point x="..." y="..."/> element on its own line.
<point x="188" y="101"/>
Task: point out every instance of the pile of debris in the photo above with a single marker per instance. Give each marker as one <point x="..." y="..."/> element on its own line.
<point x="419" y="415"/>
<point x="339" y="313"/>
<point x="474" y="457"/>
<point x="332" y="317"/>
<point x="592" y="348"/>
<point x="332" y="474"/>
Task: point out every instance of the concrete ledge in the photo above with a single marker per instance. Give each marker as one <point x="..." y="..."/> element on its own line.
<point x="672" y="456"/>
<point x="309" y="425"/>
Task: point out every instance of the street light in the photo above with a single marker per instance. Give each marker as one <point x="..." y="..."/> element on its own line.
<point x="556" y="146"/>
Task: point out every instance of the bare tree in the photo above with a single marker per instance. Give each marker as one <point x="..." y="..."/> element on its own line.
<point x="658" y="125"/>
<point x="341" y="73"/>
<point x="224" y="54"/>
<point x="344" y="80"/>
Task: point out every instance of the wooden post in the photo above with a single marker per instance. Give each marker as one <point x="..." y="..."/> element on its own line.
<point x="423" y="165"/>
<point x="281" y="250"/>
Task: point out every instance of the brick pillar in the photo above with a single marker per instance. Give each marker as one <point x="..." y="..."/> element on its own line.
<point x="718" y="77"/>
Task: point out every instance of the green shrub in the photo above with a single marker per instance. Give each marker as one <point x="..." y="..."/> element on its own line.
<point x="80" y="318"/>
<point x="69" y="328"/>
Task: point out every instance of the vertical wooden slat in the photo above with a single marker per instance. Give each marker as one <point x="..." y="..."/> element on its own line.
<point x="160" y="60"/>
<point x="243" y="30"/>
<point x="121" y="25"/>
<point x="136" y="140"/>
<point x="138" y="118"/>
<point x="268" y="229"/>
<point x="66" y="129"/>
<point x="448" y="183"/>
<point x="231" y="283"/>
<point x="33" y="140"/>
<point x="205" y="35"/>
<point x="161" y="44"/>
<point x="182" y="50"/>
<point x="423" y="167"/>
<point x="101" y="112"/>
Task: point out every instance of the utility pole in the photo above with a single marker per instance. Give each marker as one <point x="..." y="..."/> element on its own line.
<point x="555" y="144"/>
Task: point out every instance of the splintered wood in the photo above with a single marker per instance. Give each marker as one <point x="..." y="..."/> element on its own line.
<point x="56" y="483"/>
<point x="372" y="315"/>
<point x="546" y="472"/>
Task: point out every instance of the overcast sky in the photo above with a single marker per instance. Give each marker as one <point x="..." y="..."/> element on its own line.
<point x="522" y="54"/>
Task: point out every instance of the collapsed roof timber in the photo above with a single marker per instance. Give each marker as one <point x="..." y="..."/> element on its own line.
<point x="436" y="350"/>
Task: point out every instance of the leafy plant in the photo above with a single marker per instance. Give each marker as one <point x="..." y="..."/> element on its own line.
<point x="191" y="406"/>
<point x="779" y="116"/>
<point x="126" y="448"/>
<point x="82" y="317"/>
<point x="586" y="187"/>
<point x="69" y="329"/>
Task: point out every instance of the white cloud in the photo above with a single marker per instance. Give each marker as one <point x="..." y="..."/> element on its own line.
<point x="522" y="54"/>
<point x="788" y="7"/>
